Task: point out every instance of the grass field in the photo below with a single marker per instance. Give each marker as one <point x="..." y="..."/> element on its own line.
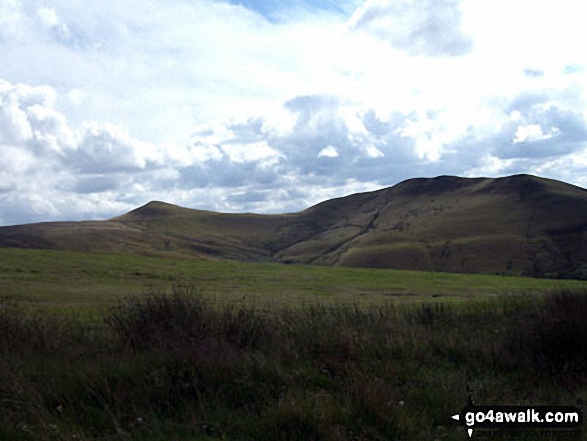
<point x="203" y="350"/>
<point x="83" y="281"/>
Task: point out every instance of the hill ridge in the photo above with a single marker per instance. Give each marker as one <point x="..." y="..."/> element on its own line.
<point x="520" y="224"/>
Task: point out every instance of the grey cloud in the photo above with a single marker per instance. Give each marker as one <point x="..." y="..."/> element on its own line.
<point x="525" y="101"/>
<point x="71" y="37"/>
<point x="320" y="125"/>
<point x="562" y="132"/>
<point x="227" y="174"/>
<point x="565" y="132"/>
<point x="572" y="125"/>
<point x="17" y="209"/>
<point x="465" y="153"/>
<point x="420" y="27"/>
<point x="533" y="110"/>
<point x="287" y="198"/>
<point x="400" y="162"/>
<point x="204" y="132"/>
<point x="544" y="148"/>
<point x="374" y="125"/>
<point x="248" y="196"/>
<point x="573" y="68"/>
<point x="501" y="145"/>
<point x="311" y="103"/>
<point x="533" y="73"/>
<point x="97" y="183"/>
<point x="101" y="152"/>
<point x="250" y="131"/>
<point x="311" y="106"/>
<point x="387" y="135"/>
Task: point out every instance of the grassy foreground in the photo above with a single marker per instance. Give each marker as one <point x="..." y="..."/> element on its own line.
<point x="272" y="352"/>
<point x="57" y="281"/>
<point x="176" y="367"/>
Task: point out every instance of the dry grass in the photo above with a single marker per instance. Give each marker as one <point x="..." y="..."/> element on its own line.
<point x="174" y="366"/>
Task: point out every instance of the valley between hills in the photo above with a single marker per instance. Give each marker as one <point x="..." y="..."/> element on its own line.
<point x="516" y="225"/>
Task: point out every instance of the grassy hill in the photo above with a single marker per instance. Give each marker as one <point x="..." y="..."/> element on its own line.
<point x="517" y="225"/>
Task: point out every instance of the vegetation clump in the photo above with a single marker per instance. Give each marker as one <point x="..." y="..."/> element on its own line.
<point x="179" y="366"/>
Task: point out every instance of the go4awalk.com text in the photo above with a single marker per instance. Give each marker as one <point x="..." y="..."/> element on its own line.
<point x="516" y="418"/>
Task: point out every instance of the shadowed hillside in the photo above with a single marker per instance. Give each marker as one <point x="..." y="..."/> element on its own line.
<point x="521" y="225"/>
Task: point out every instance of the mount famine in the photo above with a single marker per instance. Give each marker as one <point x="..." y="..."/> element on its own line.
<point x="518" y="225"/>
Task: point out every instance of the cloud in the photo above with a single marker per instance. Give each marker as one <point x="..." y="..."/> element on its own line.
<point x="59" y="170"/>
<point x="420" y="27"/>
<point x="10" y="17"/>
<point x="57" y="29"/>
<point x="172" y="58"/>
<point x="533" y="73"/>
<point x="109" y="149"/>
<point x="23" y="106"/>
<point x="524" y="102"/>
<point x="96" y="183"/>
<point x="52" y="171"/>
<point x="537" y="128"/>
<point x="203" y="103"/>
<point x="572" y="68"/>
<point x="55" y="170"/>
<point x="533" y="132"/>
<point x="328" y="152"/>
<point x="534" y="136"/>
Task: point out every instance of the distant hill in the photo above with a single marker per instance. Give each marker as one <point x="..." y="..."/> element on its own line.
<point x="522" y="225"/>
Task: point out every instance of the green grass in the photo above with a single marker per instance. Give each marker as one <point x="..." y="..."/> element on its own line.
<point x="85" y="281"/>
<point x="175" y="366"/>
<point x="270" y="351"/>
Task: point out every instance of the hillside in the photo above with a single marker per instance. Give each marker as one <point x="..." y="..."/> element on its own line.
<point x="522" y="225"/>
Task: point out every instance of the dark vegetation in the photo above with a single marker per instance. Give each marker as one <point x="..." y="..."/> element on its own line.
<point x="166" y="366"/>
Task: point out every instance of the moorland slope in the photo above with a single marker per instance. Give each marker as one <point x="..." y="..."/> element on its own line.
<point x="522" y="225"/>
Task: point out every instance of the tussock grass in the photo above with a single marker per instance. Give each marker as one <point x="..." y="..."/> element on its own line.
<point x="176" y="366"/>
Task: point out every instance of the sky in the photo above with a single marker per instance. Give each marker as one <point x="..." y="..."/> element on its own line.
<point x="271" y="106"/>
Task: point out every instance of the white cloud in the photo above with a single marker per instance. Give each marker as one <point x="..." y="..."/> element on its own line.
<point x="48" y="17"/>
<point x="491" y="166"/>
<point x="197" y="100"/>
<point x="23" y="105"/>
<point x="109" y="148"/>
<point x="421" y="27"/>
<point x="533" y="132"/>
<point x="374" y="152"/>
<point x="76" y="96"/>
<point x="328" y="152"/>
<point x="251" y="152"/>
<point x="570" y="168"/>
<point x="10" y="19"/>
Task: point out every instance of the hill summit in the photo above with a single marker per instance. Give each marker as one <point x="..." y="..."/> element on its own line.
<point x="519" y="225"/>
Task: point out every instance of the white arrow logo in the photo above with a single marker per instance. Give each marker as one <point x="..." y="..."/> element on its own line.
<point x="457" y="417"/>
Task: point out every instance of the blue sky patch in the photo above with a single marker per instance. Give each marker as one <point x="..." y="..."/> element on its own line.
<point x="277" y="11"/>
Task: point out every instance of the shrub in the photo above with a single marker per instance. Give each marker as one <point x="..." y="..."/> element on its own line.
<point x="554" y="340"/>
<point x="185" y="319"/>
<point x="159" y="319"/>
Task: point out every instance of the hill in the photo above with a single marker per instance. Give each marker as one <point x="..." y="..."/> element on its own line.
<point x="519" y="225"/>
